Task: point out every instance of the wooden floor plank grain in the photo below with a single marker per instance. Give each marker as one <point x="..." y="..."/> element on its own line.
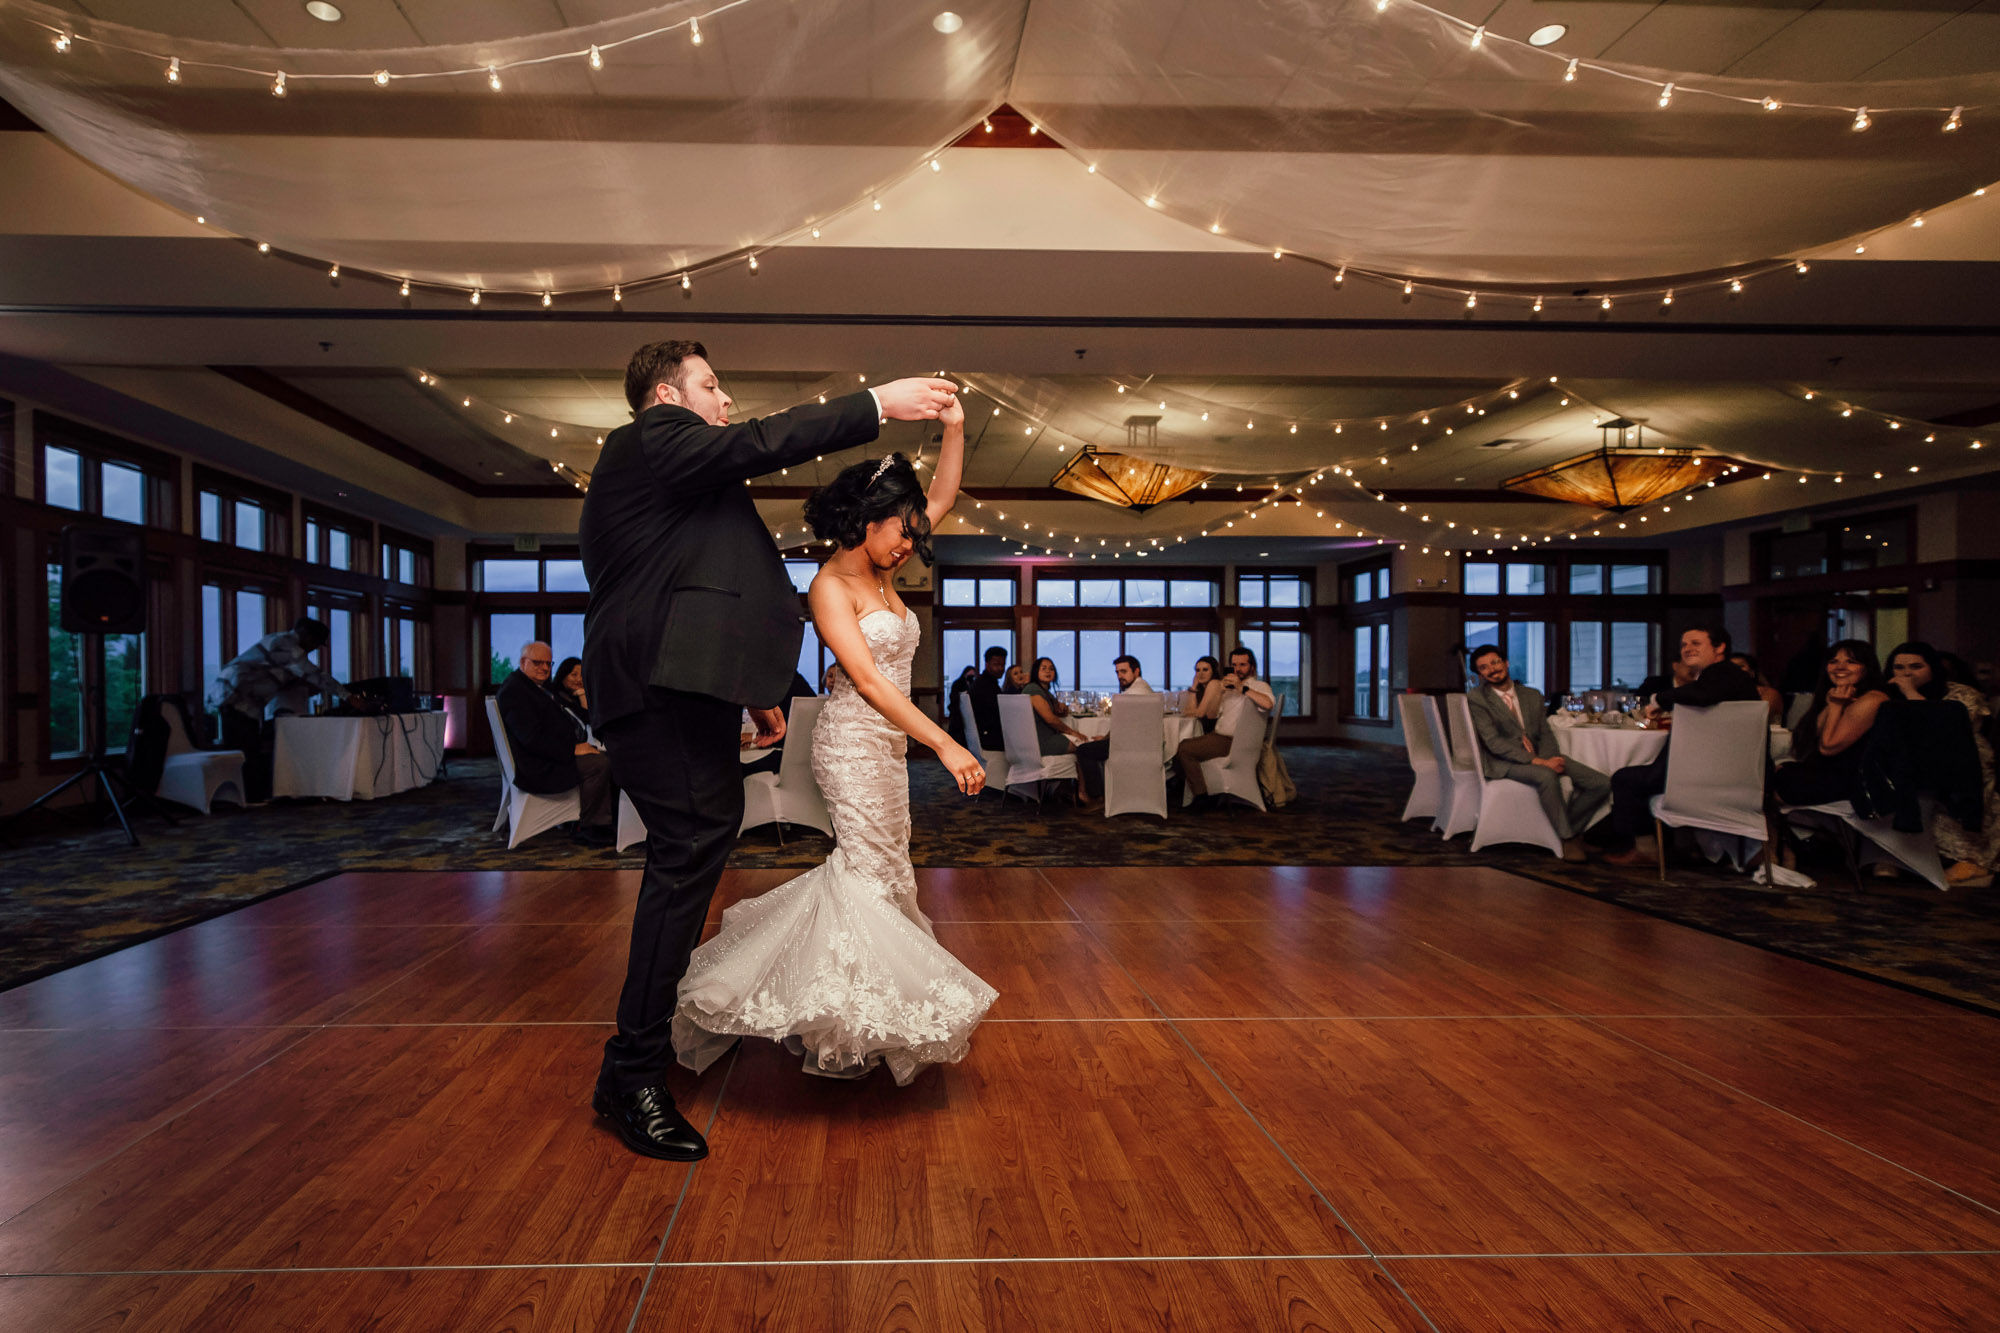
<point x="546" y="1300"/>
<point x="976" y="894"/>
<point x="1229" y="893"/>
<point x="1266" y="1296"/>
<point x="372" y="1147"/>
<point x="1050" y="1140"/>
<point x="1551" y="1135"/>
<point x="452" y="898"/>
<point x="1735" y="1294"/>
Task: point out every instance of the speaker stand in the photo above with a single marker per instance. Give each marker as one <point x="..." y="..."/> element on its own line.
<point x="113" y="787"/>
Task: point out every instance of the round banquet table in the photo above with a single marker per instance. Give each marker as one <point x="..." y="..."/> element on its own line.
<point x="1608" y="749"/>
<point x="356" y="758"/>
<point x="1173" y="730"/>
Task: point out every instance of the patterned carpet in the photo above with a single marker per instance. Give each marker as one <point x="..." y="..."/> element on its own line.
<point x="70" y="894"/>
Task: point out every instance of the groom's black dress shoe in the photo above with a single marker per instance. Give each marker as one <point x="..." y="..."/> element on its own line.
<point x="650" y="1125"/>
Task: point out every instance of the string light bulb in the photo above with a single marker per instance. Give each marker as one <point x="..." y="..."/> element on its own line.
<point x="1667" y="96"/>
<point x="618" y="293"/>
<point x="1861" y="121"/>
<point x="1772" y="104"/>
<point x="1569" y="73"/>
<point x="596" y="58"/>
<point x="1956" y="119"/>
<point x="278" y="85"/>
<point x="404" y="290"/>
<point x="333" y="271"/>
<point x="174" y="73"/>
<point x="493" y="77"/>
<point x="263" y="247"/>
<point x="475" y="296"/>
<point x="382" y="77"/>
<point x="686" y="285"/>
<point x="753" y="263"/>
<point x="694" y="31"/>
<point x="62" y="43"/>
<point x="1478" y="37"/>
<point x="547" y="300"/>
<point x="1735" y="286"/>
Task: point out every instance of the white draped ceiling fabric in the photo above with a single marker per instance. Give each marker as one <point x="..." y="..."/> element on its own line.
<point x="1384" y="140"/>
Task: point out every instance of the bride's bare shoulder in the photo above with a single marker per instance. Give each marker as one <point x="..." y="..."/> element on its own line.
<point x="830" y="587"/>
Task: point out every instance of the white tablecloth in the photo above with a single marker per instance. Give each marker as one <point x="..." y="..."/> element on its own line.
<point x="1608" y="749"/>
<point x="356" y="758"/>
<point x="1173" y="730"/>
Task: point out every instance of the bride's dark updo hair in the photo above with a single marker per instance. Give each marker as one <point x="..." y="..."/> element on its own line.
<point x="840" y="511"/>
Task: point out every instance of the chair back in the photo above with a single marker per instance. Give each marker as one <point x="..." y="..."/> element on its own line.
<point x="1796" y="709"/>
<point x="1464" y="756"/>
<point x="1247" y="741"/>
<point x="795" y="761"/>
<point x="1419" y="740"/>
<point x="178" y="740"/>
<point x="1136" y="724"/>
<point x="1715" y="767"/>
<point x="500" y="745"/>
<point x="1017" y="732"/>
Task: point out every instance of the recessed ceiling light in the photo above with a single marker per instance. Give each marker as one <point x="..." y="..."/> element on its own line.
<point x="323" y="11"/>
<point x="947" y="23"/>
<point x="1548" y="34"/>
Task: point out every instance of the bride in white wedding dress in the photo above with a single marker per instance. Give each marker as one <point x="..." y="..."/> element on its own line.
<point x="839" y="964"/>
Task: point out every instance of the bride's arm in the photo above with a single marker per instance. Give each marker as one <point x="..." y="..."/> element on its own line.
<point x="839" y="629"/>
<point x="943" y="494"/>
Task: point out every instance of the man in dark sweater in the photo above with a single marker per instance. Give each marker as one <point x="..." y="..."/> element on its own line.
<point x="984" y="695"/>
<point x="550" y="755"/>
<point x="1717" y="680"/>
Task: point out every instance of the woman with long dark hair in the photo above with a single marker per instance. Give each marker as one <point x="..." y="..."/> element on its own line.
<point x="1826" y="745"/>
<point x="839" y="964"/>
<point x="1053" y="734"/>
<point x="567" y="686"/>
<point x="1203" y="700"/>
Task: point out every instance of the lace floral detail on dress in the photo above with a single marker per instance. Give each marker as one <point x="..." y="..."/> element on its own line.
<point x="840" y="957"/>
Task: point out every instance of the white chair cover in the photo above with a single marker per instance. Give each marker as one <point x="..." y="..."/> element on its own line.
<point x="1027" y="766"/>
<point x="1916" y="851"/>
<point x="1235" y="774"/>
<point x="1427" y="796"/>
<point x="1715" y="770"/>
<point x="1509" y="811"/>
<point x="1796" y="709"/>
<point x="192" y="777"/>
<point x="631" y="828"/>
<point x="1459" y="810"/>
<point x="791" y="795"/>
<point x="1135" y="780"/>
<point x="993" y="761"/>
<point x="523" y="813"/>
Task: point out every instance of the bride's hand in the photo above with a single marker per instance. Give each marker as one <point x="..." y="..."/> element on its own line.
<point x="953" y="414"/>
<point x="965" y="771"/>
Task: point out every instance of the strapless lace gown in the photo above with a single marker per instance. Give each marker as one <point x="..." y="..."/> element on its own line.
<point x="840" y="958"/>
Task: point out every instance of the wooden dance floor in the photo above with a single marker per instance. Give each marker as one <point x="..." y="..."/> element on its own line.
<point x="1215" y="1098"/>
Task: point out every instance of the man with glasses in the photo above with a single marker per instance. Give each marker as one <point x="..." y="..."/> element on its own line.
<point x="551" y="756"/>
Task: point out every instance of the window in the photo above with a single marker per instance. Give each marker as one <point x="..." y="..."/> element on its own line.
<point x="1482" y="578"/>
<point x="967" y="648"/>
<point x="1283" y="656"/>
<point x="528" y="573"/>
<point x="405" y="559"/>
<point x="1861" y="542"/>
<point x="506" y="631"/>
<point x="333" y="539"/>
<point x="510" y="575"/>
<point x="1371" y="671"/>
<point x="341" y="613"/>
<point x="1275" y="590"/>
<point x="1586" y="581"/>
<point x="1109" y="592"/>
<point x="120" y="664"/>
<point x="1628" y="580"/>
<point x="960" y="591"/>
<point x="235" y="614"/>
<point x="406" y="642"/>
<point x="1084" y="658"/>
<point x="1524" y="580"/>
<point x="1524" y="642"/>
<point x="91" y="472"/>
<point x="801" y="573"/>
<point x="1370" y="585"/>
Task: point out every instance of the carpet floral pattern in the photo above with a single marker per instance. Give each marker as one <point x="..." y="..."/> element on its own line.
<point x="68" y="894"/>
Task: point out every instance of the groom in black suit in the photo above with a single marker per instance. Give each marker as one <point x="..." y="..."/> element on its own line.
<point x="691" y="620"/>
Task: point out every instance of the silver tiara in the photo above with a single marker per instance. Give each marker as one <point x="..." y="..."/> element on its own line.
<point x="880" y="470"/>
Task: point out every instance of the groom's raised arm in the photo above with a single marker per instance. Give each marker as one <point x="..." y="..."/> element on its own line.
<point x="686" y="453"/>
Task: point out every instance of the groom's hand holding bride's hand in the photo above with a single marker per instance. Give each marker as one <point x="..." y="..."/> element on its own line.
<point x="770" y="726"/>
<point x="918" y="399"/>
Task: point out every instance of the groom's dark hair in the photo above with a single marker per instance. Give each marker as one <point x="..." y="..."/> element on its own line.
<point x="656" y="363"/>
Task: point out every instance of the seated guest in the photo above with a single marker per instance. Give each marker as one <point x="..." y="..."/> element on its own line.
<point x="1677" y="674"/>
<point x="1053" y="733"/>
<point x="983" y="695"/>
<point x="955" y="710"/>
<point x="274" y="677"/>
<point x="567" y="686"/>
<point x="1017" y="680"/>
<point x="1705" y="654"/>
<point x="1765" y="690"/>
<point x="1826" y="745"/>
<point x="1918" y="671"/>
<point x="826" y="679"/>
<point x="1090" y="755"/>
<point x="1246" y="702"/>
<point x="771" y="759"/>
<point x="1202" y="700"/>
<point x="1516" y="742"/>
<point x="551" y="756"/>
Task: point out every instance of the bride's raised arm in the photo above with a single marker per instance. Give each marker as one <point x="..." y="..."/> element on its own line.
<point x="943" y="494"/>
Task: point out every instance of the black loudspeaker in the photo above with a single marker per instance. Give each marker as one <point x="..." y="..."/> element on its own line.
<point x="397" y="694"/>
<point x="103" y="580"/>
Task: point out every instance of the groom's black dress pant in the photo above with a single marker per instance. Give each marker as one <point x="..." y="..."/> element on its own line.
<point x="677" y="761"/>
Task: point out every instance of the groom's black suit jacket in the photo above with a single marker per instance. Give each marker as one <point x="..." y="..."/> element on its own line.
<point x="687" y="589"/>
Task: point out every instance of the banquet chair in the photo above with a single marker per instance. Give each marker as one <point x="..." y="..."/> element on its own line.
<point x="1427" y="796"/>
<point x="192" y="776"/>
<point x="1715" y="774"/>
<point x="523" y="813"/>
<point x="1135" y="779"/>
<point x="1459" y="809"/>
<point x="631" y="828"/>
<point x="1235" y="774"/>
<point x="993" y="761"/>
<point x="1027" y="766"/>
<point x="1917" y="852"/>
<point x="1509" y="811"/>
<point x="791" y="795"/>
<point x="1796" y="708"/>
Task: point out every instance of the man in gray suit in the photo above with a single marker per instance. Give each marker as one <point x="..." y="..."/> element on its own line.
<point x="1516" y="742"/>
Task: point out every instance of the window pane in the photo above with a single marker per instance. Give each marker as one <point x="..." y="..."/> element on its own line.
<point x="212" y="656"/>
<point x="249" y="618"/>
<point x="1191" y="592"/>
<point x="1145" y="592"/>
<point x="211" y="516"/>
<point x="63" y="480"/>
<point x="406" y="649"/>
<point x="566" y="635"/>
<point x="1586" y="581"/>
<point x="340" y="645"/>
<point x="1059" y="644"/>
<point x="1632" y="579"/>
<point x="1055" y="592"/>
<point x="65" y="676"/>
<point x="249" y="526"/>
<point x="1482" y="579"/>
<point x="809" y="650"/>
<point x="996" y="638"/>
<point x="388" y="562"/>
<point x="1283" y="664"/>
<point x="1382" y="666"/>
<point x="1097" y="592"/>
<point x="1250" y="590"/>
<point x="1094" y="650"/>
<point x="1150" y="647"/>
<point x="996" y="592"/>
<point x="800" y="572"/>
<point x="505" y="633"/>
<point x="567" y="576"/>
<point x="1364" y="671"/>
<point x="1635" y="647"/>
<point x="406" y="566"/>
<point x="960" y="592"/>
<point x="1586" y="651"/>
<point x="510" y="575"/>
<point x="312" y="540"/>
<point x="124" y="684"/>
<point x="1184" y="646"/>
<point x="1288" y="591"/>
<point x="1382" y="590"/>
<point x="1525" y="580"/>
<point x="1526" y="645"/>
<point x="124" y="492"/>
<point x="958" y="649"/>
<point x="338" y="552"/>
